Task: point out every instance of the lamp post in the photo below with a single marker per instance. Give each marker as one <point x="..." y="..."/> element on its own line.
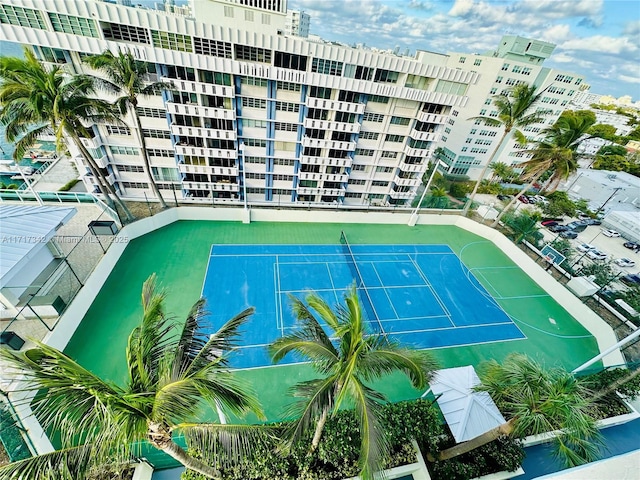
<point x="615" y="190"/>
<point x="414" y="216"/>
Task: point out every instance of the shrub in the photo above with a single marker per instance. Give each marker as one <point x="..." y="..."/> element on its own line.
<point x="69" y="185"/>
<point x="459" y="189"/>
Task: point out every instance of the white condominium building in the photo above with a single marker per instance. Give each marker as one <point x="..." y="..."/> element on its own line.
<point x="297" y="23"/>
<point x="260" y="116"/>
<point x="466" y="140"/>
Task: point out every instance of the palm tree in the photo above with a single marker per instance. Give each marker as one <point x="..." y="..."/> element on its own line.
<point x="500" y="171"/>
<point x="129" y="77"/>
<point x="538" y="400"/>
<point x="35" y="101"/>
<point x="556" y="152"/>
<point x="438" y="198"/>
<point x="515" y="110"/>
<point x="344" y="369"/>
<point x="172" y="375"/>
<point x="523" y="227"/>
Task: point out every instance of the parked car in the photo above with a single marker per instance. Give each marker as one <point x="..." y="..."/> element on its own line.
<point x="596" y="255"/>
<point x="583" y="216"/>
<point x="549" y="223"/>
<point x="624" y="262"/>
<point x="610" y="233"/>
<point x="577" y="226"/>
<point x="504" y="197"/>
<point x="631" y="279"/>
<point x="632" y="245"/>
<point x="523" y="199"/>
<point x="585" y="247"/>
<point x="558" y="228"/>
<point x="568" y="233"/>
<point x="593" y="221"/>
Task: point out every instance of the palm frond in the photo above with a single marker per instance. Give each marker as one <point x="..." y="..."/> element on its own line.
<point x="226" y="444"/>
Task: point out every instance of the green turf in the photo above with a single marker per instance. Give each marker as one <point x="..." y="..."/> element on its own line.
<point x="179" y="253"/>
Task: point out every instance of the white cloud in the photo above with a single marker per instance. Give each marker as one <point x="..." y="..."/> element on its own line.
<point x="602" y="44"/>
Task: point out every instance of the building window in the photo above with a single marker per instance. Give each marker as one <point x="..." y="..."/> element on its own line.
<point x="126" y="33"/>
<point x="257" y="160"/>
<point x="254" y="102"/>
<point x="369" y="135"/>
<point x="356" y="181"/>
<point x="171" y="41"/>
<point x="266" y="19"/>
<point x="505" y="67"/>
<point x="379" y="183"/>
<point x="320" y="92"/>
<point x="291" y="60"/>
<point x="327" y="67"/>
<point x="130" y="168"/>
<point x="394" y="138"/>
<point x="117" y="150"/>
<point x="400" y="121"/>
<point x="526" y="71"/>
<point x="453" y="88"/>
<point x="359" y="168"/>
<point x="160" y="152"/>
<point x="250" y="122"/>
<point x="74" y="25"/>
<point x="255" y="142"/>
<point x="248" y="15"/>
<point x="292" y="87"/>
<point x="139" y="185"/>
<point x="493" y="91"/>
<point x="151" y="112"/>
<point x="378" y="99"/>
<point x="357" y="72"/>
<point x="286" y="127"/>
<point x="385" y="76"/>
<point x="387" y="154"/>
<point x="287" y="107"/>
<point x="365" y="152"/>
<point x="153" y="133"/>
<point x="118" y="130"/>
<point x="499" y="79"/>
<point x="477" y="62"/>
<point x="373" y="117"/>
<point x="252" y="54"/>
<point x="462" y="59"/>
<point x="212" y="48"/>
<point x="417" y="81"/>
<point x="24" y="17"/>
<point x="256" y="82"/>
<point x="228" y="11"/>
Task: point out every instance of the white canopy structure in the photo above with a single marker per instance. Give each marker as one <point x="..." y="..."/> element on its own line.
<point x="467" y="413"/>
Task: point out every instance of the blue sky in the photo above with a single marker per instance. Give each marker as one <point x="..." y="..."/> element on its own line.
<point x="599" y="39"/>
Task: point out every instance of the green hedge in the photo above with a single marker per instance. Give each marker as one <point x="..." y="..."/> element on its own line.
<point x="337" y="455"/>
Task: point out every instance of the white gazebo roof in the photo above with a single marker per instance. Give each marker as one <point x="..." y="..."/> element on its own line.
<point x="23" y="229"/>
<point x="467" y="413"/>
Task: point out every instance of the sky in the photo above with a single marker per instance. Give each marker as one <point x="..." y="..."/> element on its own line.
<point x="599" y="39"/>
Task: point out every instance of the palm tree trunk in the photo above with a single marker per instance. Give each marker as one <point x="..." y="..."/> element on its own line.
<point x="483" y="172"/>
<point x="160" y="438"/>
<point x="99" y="175"/>
<point x="480" y="440"/>
<point x="145" y="157"/>
<point x="319" y="427"/>
<point x="514" y="200"/>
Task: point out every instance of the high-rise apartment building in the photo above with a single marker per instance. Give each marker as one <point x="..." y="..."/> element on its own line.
<point x="297" y="23"/>
<point x="259" y="115"/>
<point x="468" y="141"/>
<point x="254" y="114"/>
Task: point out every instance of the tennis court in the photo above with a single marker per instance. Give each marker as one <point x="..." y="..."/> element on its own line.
<point x="421" y="295"/>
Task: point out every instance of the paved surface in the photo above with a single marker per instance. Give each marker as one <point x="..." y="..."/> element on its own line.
<point x="57" y="175"/>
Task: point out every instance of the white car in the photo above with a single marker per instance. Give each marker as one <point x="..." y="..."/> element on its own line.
<point x="596" y="255"/>
<point x="585" y="247"/>
<point x="610" y="233"/>
<point x="624" y="262"/>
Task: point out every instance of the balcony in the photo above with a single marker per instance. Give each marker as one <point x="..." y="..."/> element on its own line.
<point x="200" y="111"/>
<point x="182" y="149"/>
<point x="204" y="169"/>
<point x="335" y="126"/>
<point x="329" y="177"/>
<point x="220" y="187"/>
<point x="406" y="182"/>
<point x="331" y="144"/>
<point x="401" y="195"/>
<point x="198" y="87"/>
<point x="416" y="152"/>
<point x="429" y="136"/>
<point x="432" y="117"/>
<point x="411" y="167"/>
<point x="202" y="132"/>
<point x="336" y="192"/>
<point x="313" y="102"/>
<point x="328" y="161"/>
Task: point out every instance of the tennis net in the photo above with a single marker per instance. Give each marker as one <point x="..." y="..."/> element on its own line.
<point x="360" y="285"/>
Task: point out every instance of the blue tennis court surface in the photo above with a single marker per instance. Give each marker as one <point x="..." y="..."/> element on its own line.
<point x="422" y="295"/>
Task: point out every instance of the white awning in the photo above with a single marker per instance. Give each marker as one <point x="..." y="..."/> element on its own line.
<point x="467" y="413"/>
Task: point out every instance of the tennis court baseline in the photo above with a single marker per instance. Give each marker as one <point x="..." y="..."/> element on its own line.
<point x="422" y="295"/>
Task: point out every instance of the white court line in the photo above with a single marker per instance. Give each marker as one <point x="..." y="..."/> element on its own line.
<point x="280" y="319"/>
<point x="433" y="291"/>
<point x="517" y="297"/>
<point x="385" y="292"/>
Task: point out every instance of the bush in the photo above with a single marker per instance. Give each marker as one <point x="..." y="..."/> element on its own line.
<point x="503" y="454"/>
<point x="459" y="189"/>
<point x="610" y="405"/>
<point x="338" y="452"/>
<point x="69" y="185"/>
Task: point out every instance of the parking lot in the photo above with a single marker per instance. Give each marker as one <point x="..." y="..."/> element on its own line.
<point x="612" y="246"/>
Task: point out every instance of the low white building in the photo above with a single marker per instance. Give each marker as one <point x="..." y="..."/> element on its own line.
<point x="604" y="190"/>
